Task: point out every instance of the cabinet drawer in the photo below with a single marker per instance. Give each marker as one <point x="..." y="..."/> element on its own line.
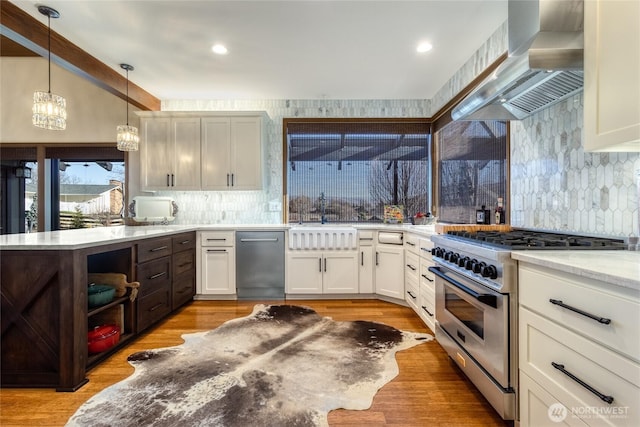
<point x="183" y="261"/>
<point x="153" y="307"/>
<point x="153" y="275"/>
<point x="425" y="246"/>
<point x="538" y="286"/>
<point x="412" y="292"/>
<point x="412" y="266"/>
<point x="427" y="278"/>
<point x="535" y="407"/>
<point x="543" y="343"/>
<point x="365" y="237"/>
<point x="217" y="238"/>
<point x="411" y="243"/>
<point x="183" y="242"/>
<point x="154" y="248"/>
<point x="183" y="289"/>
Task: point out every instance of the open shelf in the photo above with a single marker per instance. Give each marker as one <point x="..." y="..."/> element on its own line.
<point x="95" y="359"/>
<point x="113" y="303"/>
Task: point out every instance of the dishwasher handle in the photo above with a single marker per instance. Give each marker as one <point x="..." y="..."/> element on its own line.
<point x="274" y="239"/>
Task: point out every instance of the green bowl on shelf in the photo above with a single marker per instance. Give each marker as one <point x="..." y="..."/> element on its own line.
<point x="100" y="295"/>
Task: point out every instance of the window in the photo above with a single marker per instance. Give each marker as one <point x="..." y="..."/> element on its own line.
<point x="472" y="168"/>
<point x="348" y="170"/>
<point x="83" y="187"/>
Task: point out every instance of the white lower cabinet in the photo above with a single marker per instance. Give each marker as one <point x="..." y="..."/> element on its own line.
<point x="217" y="264"/>
<point x="389" y="271"/>
<point x="322" y="272"/>
<point x="578" y="350"/>
<point x="366" y="259"/>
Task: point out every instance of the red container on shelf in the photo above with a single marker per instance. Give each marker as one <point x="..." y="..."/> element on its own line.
<point x="103" y="337"/>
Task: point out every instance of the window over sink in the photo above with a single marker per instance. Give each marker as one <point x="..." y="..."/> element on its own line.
<point x="347" y="170"/>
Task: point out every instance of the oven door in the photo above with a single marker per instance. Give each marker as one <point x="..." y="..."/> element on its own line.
<point x="477" y="319"/>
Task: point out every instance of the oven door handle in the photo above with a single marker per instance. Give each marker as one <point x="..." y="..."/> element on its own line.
<point x="487" y="299"/>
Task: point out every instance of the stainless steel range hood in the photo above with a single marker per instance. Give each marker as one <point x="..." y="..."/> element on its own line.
<point x="545" y="63"/>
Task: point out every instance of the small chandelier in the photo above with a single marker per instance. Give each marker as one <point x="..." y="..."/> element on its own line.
<point x="127" y="137"/>
<point x="49" y="110"/>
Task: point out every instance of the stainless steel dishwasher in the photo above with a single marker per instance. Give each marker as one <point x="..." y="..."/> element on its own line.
<point x="260" y="264"/>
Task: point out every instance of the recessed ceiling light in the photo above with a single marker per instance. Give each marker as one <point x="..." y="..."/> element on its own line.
<point x="219" y="49"/>
<point x="424" y="47"/>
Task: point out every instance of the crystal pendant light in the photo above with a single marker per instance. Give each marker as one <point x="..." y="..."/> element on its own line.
<point x="49" y="110"/>
<point x="127" y="137"/>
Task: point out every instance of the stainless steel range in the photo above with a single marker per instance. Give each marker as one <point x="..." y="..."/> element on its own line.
<point x="477" y="303"/>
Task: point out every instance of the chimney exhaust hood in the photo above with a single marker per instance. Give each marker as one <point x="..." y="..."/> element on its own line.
<point x="545" y="63"/>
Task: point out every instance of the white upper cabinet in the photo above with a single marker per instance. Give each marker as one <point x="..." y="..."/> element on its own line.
<point x="218" y="151"/>
<point x="170" y="153"/>
<point x="612" y="75"/>
<point x="232" y="153"/>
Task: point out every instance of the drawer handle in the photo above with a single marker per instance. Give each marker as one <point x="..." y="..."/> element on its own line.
<point x="604" y="397"/>
<point x="425" y="309"/>
<point x="184" y="242"/>
<point x="411" y="267"/>
<point x="602" y="320"/>
<point x="409" y="243"/>
<point x="155" y="276"/>
<point x="426" y="277"/>
<point x="411" y="295"/>
<point x="426" y="250"/>
<point x="157" y="306"/>
<point x="216" y="240"/>
<point x="161" y="248"/>
<point x="216" y="250"/>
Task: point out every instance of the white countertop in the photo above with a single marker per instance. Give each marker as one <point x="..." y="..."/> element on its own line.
<point x="89" y="237"/>
<point x="621" y="268"/>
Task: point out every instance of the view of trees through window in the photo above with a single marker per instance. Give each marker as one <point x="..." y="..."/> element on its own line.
<point x="348" y="171"/>
<point x="472" y="168"/>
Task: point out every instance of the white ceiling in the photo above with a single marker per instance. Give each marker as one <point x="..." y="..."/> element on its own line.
<point x="280" y="49"/>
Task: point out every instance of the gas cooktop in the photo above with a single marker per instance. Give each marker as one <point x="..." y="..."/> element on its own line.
<point x="536" y="240"/>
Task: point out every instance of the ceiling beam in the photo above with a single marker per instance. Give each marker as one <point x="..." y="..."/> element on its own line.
<point x="27" y="31"/>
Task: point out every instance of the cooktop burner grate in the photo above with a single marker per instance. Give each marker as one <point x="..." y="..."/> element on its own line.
<point x="528" y="239"/>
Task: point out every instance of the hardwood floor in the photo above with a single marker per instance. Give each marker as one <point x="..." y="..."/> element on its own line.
<point x="429" y="391"/>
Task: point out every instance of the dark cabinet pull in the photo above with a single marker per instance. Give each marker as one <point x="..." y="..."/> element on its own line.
<point x="325" y="265"/>
<point x="168" y="181"/>
<point x="427" y="277"/>
<point x="157" y="306"/>
<point x="216" y="250"/>
<point x="227" y="180"/>
<point x="216" y="239"/>
<point x="232" y="179"/>
<point x="376" y="258"/>
<point x="320" y="265"/>
<point x="604" y="397"/>
<point x="161" y="248"/>
<point x="410" y="243"/>
<point x="602" y="320"/>
<point x="184" y="242"/>
<point x="411" y="295"/>
<point x="411" y="267"/>
<point x="427" y="250"/>
<point x="361" y="258"/>
<point x="427" y="311"/>
<point x="173" y="180"/>
<point x="155" y="276"/>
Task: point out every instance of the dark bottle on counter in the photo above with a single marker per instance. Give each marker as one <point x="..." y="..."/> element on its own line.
<point x="483" y="215"/>
<point x="500" y="213"/>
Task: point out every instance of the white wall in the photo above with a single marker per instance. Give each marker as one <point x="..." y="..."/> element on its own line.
<point x="92" y="113"/>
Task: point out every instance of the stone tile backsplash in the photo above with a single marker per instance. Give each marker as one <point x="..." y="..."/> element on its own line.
<point x="556" y="185"/>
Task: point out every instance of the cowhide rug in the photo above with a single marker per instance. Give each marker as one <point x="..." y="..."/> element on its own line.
<point x="282" y="365"/>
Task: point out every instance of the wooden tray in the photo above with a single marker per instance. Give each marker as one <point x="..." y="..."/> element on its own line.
<point x="444" y="228"/>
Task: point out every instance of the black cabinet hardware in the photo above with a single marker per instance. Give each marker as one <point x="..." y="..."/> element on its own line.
<point x="604" y="397"/>
<point x="599" y="319"/>
<point x="159" y="248"/>
<point x="155" y="276"/>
